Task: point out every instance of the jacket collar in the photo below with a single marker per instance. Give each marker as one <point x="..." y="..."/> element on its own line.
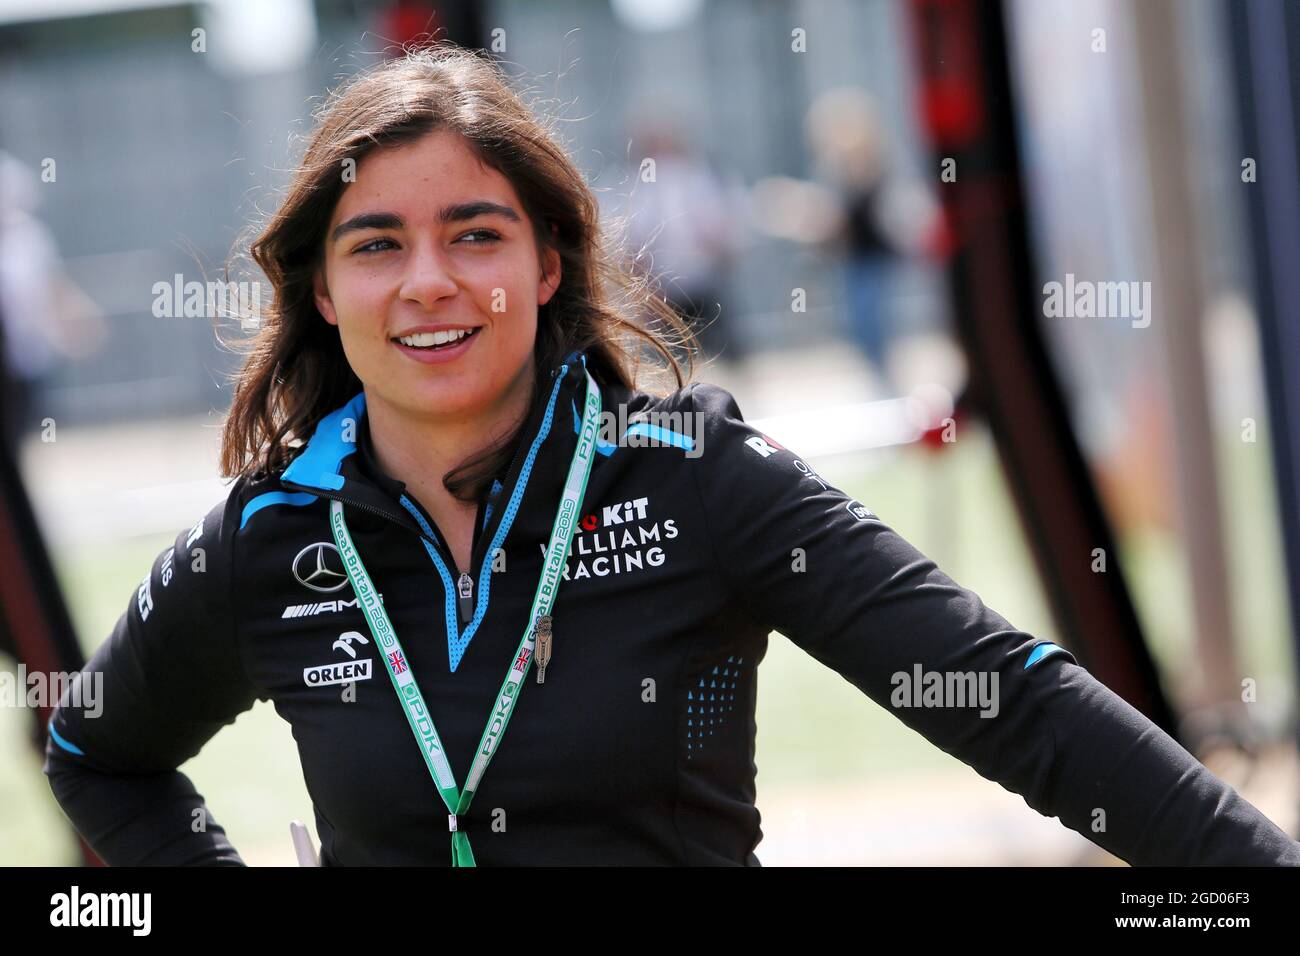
<point x="368" y="463"/>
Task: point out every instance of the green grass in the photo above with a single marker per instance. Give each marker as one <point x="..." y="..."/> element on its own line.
<point x="953" y="507"/>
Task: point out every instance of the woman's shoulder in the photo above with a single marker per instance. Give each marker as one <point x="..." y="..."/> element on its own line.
<point x="252" y="498"/>
<point x="683" y="417"/>
<point x="244" y="496"/>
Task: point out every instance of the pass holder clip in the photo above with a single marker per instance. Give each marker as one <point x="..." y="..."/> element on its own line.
<point x="542" y="654"/>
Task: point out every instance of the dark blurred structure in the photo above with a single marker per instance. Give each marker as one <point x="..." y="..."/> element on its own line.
<point x="1266" y="43"/>
<point x="36" y="630"/>
<point x="967" y="107"/>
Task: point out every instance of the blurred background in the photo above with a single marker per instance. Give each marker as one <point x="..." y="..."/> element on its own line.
<point x="865" y="205"/>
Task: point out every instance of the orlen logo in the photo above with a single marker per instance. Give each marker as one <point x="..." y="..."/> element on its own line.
<point x="625" y="513"/>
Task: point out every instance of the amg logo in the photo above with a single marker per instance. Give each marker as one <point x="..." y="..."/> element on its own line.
<point x="321" y="607"/>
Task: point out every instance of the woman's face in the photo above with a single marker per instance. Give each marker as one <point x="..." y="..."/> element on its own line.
<point x="428" y="240"/>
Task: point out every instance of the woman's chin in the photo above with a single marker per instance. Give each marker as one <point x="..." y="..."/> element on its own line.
<point x="446" y="402"/>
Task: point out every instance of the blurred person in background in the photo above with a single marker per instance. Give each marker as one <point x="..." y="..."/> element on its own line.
<point x="857" y="214"/>
<point x="45" y="320"/>
<point x="879" y="222"/>
<point x="686" y="227"/>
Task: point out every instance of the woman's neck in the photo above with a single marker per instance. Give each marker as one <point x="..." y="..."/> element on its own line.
<point x="418" y="450"/>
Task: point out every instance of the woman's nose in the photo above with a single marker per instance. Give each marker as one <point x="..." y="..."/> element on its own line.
<point x="427" y="277"/>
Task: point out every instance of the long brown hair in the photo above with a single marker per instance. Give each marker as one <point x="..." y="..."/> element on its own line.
<point x="295" y="371"/>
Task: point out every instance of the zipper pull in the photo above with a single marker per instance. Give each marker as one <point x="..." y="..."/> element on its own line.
<point x="542" y="653"/>
<point x="465" y="596"/>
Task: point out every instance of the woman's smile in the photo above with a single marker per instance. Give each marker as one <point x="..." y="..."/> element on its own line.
<point x="437" y="347"/>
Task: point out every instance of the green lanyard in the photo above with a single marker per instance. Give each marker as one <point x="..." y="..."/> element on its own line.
<point x="399" y="669"/>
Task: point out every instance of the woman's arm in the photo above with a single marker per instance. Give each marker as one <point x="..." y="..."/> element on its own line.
<point x="826" y="572"/>
<point x="166" y="680"/>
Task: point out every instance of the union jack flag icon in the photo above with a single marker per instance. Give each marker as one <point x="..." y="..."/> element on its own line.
<point x="521" y="660"/>
<point x="398" y="662"/>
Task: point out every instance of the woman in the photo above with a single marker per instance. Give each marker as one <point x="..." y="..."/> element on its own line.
<point x="445" y="338"/>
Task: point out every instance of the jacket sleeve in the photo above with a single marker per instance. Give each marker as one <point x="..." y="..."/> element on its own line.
<point x="166" y="680"/>
<point x="825" y="571"/>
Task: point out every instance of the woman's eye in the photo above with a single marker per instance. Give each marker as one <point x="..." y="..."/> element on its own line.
<point x="486" y="236"/>
<point x="374" y="245"/>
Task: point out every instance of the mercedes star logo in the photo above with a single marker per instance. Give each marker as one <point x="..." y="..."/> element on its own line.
<point x="320" y="567"/>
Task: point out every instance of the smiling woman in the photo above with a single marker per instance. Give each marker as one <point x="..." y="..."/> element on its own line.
<point x="431" y="200"/>
<point x="422" y="493"/>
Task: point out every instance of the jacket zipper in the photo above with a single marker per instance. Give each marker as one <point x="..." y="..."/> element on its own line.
<point x="465" y="597"/>
<point x="464" y="581"/>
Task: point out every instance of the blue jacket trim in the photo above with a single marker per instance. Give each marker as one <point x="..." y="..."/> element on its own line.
<point x="487" y="512"/>
<point x="58" y="739"/>
<point x="456" y="644"/>
<point x="318" y="465"/>
<point x="663" y="436"/>
<point x="274" y="498"/>
<point x="1040" y="651"/>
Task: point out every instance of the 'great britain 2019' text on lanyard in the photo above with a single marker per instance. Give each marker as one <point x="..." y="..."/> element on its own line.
<point x="399" y="669"/>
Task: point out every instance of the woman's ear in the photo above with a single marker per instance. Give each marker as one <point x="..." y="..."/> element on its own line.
<point x="321" y="293"/>
<point x="551" y="275"/>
